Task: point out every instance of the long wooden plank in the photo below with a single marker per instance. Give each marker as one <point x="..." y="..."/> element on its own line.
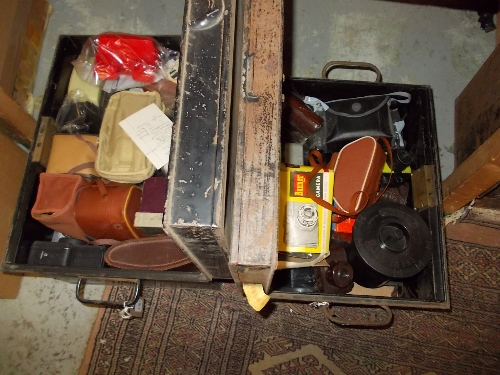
<point x="30" y="53"/>
<point x="15" y="121"/>
<point x="14" y="17"/>
<point x="12" y="164"/>
<point x="253" y="255"/>
<point x="474" y="176"/>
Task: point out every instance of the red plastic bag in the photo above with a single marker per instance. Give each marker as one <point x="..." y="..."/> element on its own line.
<point x="121" y="54"/>
<point x="118" y="62"/>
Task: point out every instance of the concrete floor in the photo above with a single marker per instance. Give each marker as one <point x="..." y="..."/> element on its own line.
<point x="45" y="330"/>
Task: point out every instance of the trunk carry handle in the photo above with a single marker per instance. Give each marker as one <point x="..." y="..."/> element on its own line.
<point x="351" y="65"/>
<point x="371" y="322"/>
<point x="135" y="297"/>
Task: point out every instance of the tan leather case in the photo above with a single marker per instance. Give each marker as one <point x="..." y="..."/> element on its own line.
<point x="55" y="203"/>
<point x="109" y="214"/>
<point x="68" y="152"/>
<point x="358" y="171"/>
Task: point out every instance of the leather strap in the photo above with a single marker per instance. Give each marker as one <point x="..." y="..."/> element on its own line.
<point x="318" y="166"/>
<point x="106" y="241"/>
<point x="101" y="186"/>
<point x="81" y="167"/>
<point x="89" y="164"/>
<point x="90" y="144"/>
<point x="391" y="166"/>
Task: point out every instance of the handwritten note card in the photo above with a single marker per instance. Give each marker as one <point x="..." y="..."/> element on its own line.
<point x="151" y="130"/>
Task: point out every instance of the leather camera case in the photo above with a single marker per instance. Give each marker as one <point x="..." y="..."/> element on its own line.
<point x="108" y="211"/>
<point x="358" y="170"/>
<point x="351" y="119"/>
<point x="69" y="204"/>
<point x="55" y="203"/>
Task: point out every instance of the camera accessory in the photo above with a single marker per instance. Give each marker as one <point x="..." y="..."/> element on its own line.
<point x="67" y="253"/>
<point x="390" y="241"/>
<point x="402" y="159"/>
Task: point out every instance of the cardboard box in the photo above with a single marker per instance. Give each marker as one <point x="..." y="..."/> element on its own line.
<point x="304" y="226"/>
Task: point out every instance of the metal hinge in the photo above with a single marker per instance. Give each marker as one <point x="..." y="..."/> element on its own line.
<point x="423" y="183"/>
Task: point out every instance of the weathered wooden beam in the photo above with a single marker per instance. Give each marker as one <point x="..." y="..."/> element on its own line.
<point x="14" y="18"/>
<point x="30" y="53"/>
<point x="474" y="176"/>
<point x="253" y="257"/>
<point x="15" y="121"/>
<point x="12" y="165"/>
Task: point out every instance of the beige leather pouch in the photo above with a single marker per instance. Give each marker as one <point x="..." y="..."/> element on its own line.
<point x="118" y="157"/>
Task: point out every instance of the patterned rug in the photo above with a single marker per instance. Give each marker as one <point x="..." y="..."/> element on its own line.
<point x="216" y="332"/>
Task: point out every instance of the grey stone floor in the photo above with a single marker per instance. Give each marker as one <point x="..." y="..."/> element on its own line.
<point x="45" y="330"/>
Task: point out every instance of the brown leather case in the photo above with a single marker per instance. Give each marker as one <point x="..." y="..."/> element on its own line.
<point x="358" y="171"/>
<point x="158" y="253"/>
<point x="302" y="119"/>
<point x="108" y="211"/>
<point x="55" y="203"/>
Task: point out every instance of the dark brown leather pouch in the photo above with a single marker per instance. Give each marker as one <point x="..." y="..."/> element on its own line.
<point x="301" y="122"/>
<point x="158" y="253"/>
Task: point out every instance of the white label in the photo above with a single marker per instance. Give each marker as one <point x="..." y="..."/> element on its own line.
<point x="151" y="130"/>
